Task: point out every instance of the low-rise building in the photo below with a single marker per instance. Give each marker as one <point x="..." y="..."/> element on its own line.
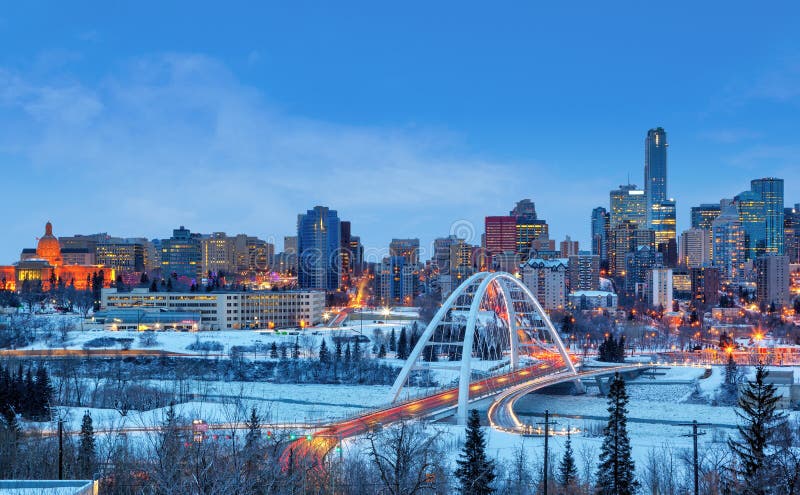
<point x="221" y="310"/>
<point x="585" y="300"/>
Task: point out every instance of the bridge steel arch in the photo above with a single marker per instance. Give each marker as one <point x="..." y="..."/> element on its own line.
<point x="470" y="294"/>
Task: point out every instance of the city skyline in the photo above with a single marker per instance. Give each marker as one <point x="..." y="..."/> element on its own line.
<point x="231" y="133"/>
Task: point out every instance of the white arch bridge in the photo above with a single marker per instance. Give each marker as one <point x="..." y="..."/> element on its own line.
<point x="491" y="325"/>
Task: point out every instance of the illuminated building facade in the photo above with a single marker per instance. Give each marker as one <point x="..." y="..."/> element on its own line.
<point x="773" y="280"/>
<point x="655" y="169"/>
<point x="791" y="233"/>
<point x="728" y="238"/>
<point x="705" y="284"/>
<point x="583" y="272"/>
<point x="659" y="288"/>
<point x="662" y="222"/>
<point x="398" y="281"/>
<point x="601" y="222"/>
<point x="501" y="234"/>
<point x="528" y="231"/>
<point x="626" y="238"/>
<point x="628" y="204"/>
<point x="693" y="249"/>
<point x="702" y="218"/>
<point x="47" y="265"/>
<point x="181" y="255"/>
<point x="752" y="216"/>
<point x="318" y="244"/>
<point x="547" y="280"/>
<point x="770" y="189"/>
<point x="638" y="265"/>
<point x="221" y="310"/>
<point x="123" y="257"/>
<point x="408" y="249"/>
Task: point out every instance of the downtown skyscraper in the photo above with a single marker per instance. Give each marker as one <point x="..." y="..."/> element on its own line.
<point x="318" y="245"/>
<point x="655" y="168"/>
<point x="771" y="191"/>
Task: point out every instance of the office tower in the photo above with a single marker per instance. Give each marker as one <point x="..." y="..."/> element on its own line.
<point x="772" y="280"/>
<point x="584" y="272"/>
<point x="703" y="215"/>
<point x="655" y="168"/>
<point x="659" y="293"/>
<point x="770" y="189"/>
<point x="441" y="253"/>
<point x="318" y="243"/>
<point x="181" y="255"/>
<point x="694" y="248"/>
<point x="501" y="234"/>
<point x="628" y="204"/>
<point x="752" y="216"/>
<point x="638" y="264"/>
<point x="528" y="231"/>
<point x="791" y="233"/>
<point x="601" y="222"/>
<point x="662" y="221"/>
<point x="568" y="247"/>
<point x="626" y="238"/>
<point x="728" y="238"/>
<point x="406" y="248"/>
<point x="357" y="252"/>
<point x="524" y="208"/>
<point x="546" y="279"/>
<point x="219" y="254"/>
<point x="125" y="256"/>
<point x="399" y="281"/>
<point x="705" y="284"/>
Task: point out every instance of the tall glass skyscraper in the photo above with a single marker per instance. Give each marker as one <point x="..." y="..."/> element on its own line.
<point x="771" y="191"/>
<point x="655" y="168"/>
<point x="628" y="205"/>
<point x="318" y="244"/>
<point x="600" y="225"/>
<point x="664" y="224"/>
<point x="729" y="243"/>
<point x="752" y="215"/>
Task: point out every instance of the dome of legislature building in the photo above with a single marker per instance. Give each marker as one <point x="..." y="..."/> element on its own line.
<point x="48" y="267"/>
<point x="49" y="248"/>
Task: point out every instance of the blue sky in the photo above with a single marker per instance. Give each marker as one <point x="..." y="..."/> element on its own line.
<point x="411" y="119"/>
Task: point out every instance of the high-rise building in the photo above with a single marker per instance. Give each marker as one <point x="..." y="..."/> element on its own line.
<point x="123" y="255"/>
<point x="655" y="168"/>
<point x="568" y="247"/>
<point x="405" y="248"/>
<point x="705" y="284"/>
<point x="547" y="280"/>
<point x="441" y="253"/>
<point x="693" y="248"/>
<point x="219" y="254"/>
<point x="791" y="233"/>
<point x="318" y="243"/>
<point x="659" y="290"/>
<point x="528" y="231"/>
<point x="638" y="265"/>
<point x="623" y="239"/>
<point x="662" y="221"/>
<point x="772" y="279"/>
<point x="628" y="204"/>
<point x="357" y="251"/>
<point x="501" y="234"/>
<point x="399" y="281"/>
<point x="524" y="208"/>
<point x="752" y="216"/>
<point x="728" y="238"/>
<point x="771" y="191"/>
<point x="703" y="215"/>
<point x="584" y="272"/>
<point x="181" y="255"/>
<point x="601" y="222"/>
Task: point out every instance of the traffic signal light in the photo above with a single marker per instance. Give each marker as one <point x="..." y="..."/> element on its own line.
<point x="308" y="437"/>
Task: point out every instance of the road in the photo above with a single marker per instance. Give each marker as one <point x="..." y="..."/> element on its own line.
<point x="501" y="412"/>
<point x="315" y="447"/>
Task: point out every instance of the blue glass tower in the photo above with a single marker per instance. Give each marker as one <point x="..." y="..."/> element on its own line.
<point x="318" y="243"/>
<point x="771" y="191"/>
<point x="655" y="168"/>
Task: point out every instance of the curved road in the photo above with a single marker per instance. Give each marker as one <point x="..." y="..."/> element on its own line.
<point x="501" y="412"/>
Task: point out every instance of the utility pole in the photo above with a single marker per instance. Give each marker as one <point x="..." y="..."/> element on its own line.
<point x="60" y="448"/>
<point x="694" y="434"/>
<point x="546" y="446"/>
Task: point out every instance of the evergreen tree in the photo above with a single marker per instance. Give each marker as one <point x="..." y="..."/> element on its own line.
<point x="382" y="351"/>
<point x="296" y="349"/>
<point x="620" y="350"/>
<point x="154" y="287"/>
<point x="144" y="279"/>
<point x="414" y="339"/>
<point x="615" y="475"/>
<point x="567" y="470"/>
<point x="758" y="403"/>
<point x="393" y="340"/>
<point x="169" y="284"/>
<point x="43" y="393"/>
<point x="337" y="355"/>
<point x="273" y="350"/>
<point x="402" y="345"/>
<point x="323" y="352"/>
<point x="86" y="450"/>
<point x="253" y="434"/>
<point x="347" y="354"/>
<point x="357" y="351"/>
<point x="475" y="471"/>
<point x="283" y="352"/>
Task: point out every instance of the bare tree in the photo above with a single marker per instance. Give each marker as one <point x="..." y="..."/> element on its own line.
<point x="405" y="457"/>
